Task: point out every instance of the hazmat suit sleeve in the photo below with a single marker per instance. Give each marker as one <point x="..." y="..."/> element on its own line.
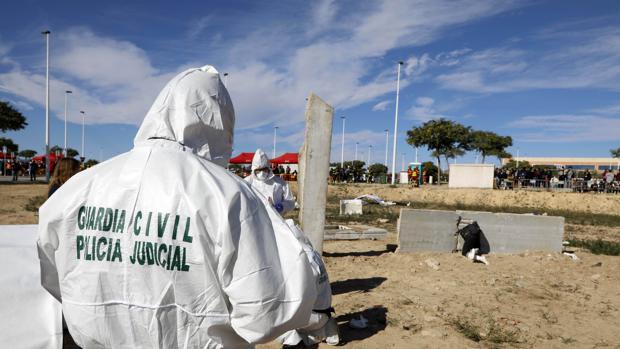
<point x="288" y="200"/>
<point x="47" y="244"/>
<point x="268" y="279"/>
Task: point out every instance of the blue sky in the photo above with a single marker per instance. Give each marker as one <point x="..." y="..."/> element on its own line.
<point x="546" y="73"/>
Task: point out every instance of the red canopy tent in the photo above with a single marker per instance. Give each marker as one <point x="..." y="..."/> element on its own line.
<point x="42" y="157"/>
<point x="243" y="158"/>
<point x="286" y="158"/>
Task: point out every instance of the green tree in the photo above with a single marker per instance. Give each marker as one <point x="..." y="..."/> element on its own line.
<point x="377" y="169"/>
<point x="70" y="151"/>
<point x="615" y="152"/>
<point x="8" y="143"/>
<point x="490" y="144"/>
<point x="431" y="169"/>
<point x="90" y="163"/>
<point x="442" y="137"/>
<point x="513" y="164"/>
<point x="10" y="118"/>
<point x="28" y="153"/>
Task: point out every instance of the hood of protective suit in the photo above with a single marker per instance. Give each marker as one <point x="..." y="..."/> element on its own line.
<point x="195" y="110"/>
<point x="260" y="160"/>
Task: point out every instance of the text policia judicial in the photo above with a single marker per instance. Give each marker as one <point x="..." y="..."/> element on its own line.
<point x="163" y="237"/>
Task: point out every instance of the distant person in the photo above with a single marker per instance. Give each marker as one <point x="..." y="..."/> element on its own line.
<point x="32" y="168"/>
<point x="15" y="169"/>
<point x="65" y="168"/>
<point x="163" y="247"/>
<point x="272" y="187"/>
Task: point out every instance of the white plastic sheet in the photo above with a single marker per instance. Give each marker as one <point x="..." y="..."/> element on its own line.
<point x="29" y="316"/>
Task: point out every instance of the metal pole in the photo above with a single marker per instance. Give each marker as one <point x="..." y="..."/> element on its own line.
<point x="83" y="116"/>
<point x="369" y="151"/>
<point x="517" y="167"/>
<point x="65" y="149"/>
<point x="356" y="143"/>
<point x="387" y="145"/>
<point x="275" y="135"/>
<point x="396" y="124"/>
<point x="342" y="147"/>
<point x="47" y="103"/>
<point x="416" y="154"/>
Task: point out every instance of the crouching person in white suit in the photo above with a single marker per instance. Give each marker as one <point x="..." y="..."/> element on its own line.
<point x="162" y="247"/>
<point x="321" y="325"/>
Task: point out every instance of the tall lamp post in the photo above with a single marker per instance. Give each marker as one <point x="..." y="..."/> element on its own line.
<point x="275" y="135"/>
<point x="396" y="125"/>
<point x="342" y="147"/>
<point x="82" y="155"/>
<point x="67" y="92"/>
<point x="387" y="145"/>
<point x="47" y="103"/>
<point x="356" y="144"/>
<point x="369" y="151"/>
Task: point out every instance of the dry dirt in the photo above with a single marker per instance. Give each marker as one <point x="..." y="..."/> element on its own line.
<point x="529" y="300"/>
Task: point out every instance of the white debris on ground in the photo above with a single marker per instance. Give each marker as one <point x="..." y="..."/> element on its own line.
<point x="371" y="198"/>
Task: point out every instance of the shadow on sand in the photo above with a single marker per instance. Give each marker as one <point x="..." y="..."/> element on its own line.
<point x="377" y="321"/>
<point x="352" y="285"/>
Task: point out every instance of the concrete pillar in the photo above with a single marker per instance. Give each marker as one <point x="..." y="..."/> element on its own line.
<point x="314" y="169"/>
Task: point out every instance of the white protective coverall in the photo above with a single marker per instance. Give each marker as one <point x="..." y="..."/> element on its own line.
<point x="272" y="187"/>
<point x="162" y="248"/>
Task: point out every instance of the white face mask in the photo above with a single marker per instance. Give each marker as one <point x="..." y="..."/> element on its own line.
<point x="261" y="176"/>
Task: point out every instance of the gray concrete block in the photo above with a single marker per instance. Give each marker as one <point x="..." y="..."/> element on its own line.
<point x="426" y="230"/>
<point x="348" y="207"/>
<point x="514" y="233"/>
<point x="354" y="232"/>
<point x="314" y="169"/>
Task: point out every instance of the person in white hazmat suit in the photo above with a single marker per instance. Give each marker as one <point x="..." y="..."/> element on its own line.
<point x="162" y="247"/>
<point x="272" y="187"/>
<point x="275" y="192"/>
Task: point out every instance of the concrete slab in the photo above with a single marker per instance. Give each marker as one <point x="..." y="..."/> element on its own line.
<point x="354" y="232"/>
<point x="428" y="230"/>
<point x="314" y="169"/>
<point x="348" y="207"/>
<point x="514" y="233"/>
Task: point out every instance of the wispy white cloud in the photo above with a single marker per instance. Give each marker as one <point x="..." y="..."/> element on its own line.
<point x="567" y="128"/>
<point x="271" y="70"/>
<point x="587" y="58"/>
<point x="424" y="109"/>
<point x="381" y="106"/>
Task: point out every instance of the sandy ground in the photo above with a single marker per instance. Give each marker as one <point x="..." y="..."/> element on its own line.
<point x="537" y="201"/>
<point x="529" y="300"/>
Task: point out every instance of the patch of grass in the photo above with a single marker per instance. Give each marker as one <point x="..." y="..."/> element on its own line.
<point x="495" y="332"/>
<point x="609" y="248"/>
<point x="499" y="334"/>
<point x="34" y="203"/>
<point x="467" y="329"/>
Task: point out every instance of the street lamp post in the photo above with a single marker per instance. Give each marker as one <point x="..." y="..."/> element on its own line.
<point x="387" y="145"/>
<point x="342" y="147"/>
<point x="369" y="151"/>
<point x="416" y="154"/>
<point x="47" y="103"/>
<point x="396" y="124"/>
<point x="356" y="143"/>
<point x="275" y="135"/>
<point x="67" y="92"/>
<point x="82" y="155"/>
